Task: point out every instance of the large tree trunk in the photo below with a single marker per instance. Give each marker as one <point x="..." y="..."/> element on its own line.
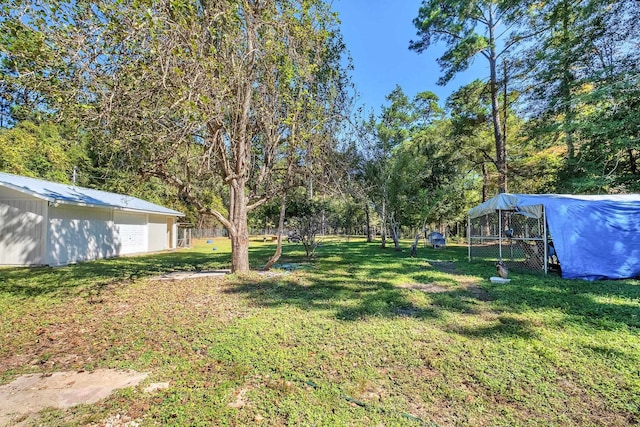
<point x="239" y="232"/>
<point x="485" y="182"/>
<point x="383" y="231"/>
<point x="396" y="237"/>
<point x="567" y="83"/>
<point x="368" y="216"/>
<point x="276" y="255"/>
<point x="505" y="115"/>
<point x="501" y="153"/>
<point x="240" y="252"/>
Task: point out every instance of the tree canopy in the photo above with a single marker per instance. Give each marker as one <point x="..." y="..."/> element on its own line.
<point x="241" y="94"/>
<point x="239" y="109"/>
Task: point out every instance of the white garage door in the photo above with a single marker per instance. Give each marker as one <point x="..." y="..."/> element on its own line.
<point x="133" y="232"/>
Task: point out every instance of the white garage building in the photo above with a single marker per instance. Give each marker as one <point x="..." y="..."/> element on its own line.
<point x="47" y="223"/>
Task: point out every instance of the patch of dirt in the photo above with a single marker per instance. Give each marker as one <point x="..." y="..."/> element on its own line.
<point x="468" y="284"/>
<point x="372" y="393"/>
<point x="429" y="288"/>
<point x="240" y="401"/>
<point x="183" y="275"/>
<point x="156" y="386"/>
<point x="450" y="268"/>
<point x="29" y="394"/>
<point x="119" y="420"/>
<point x="77" y="334"/>
<point x="478" y="293"/>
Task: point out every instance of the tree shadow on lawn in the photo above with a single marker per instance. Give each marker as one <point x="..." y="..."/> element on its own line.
<point x="504" y="326"/>
<point x="336" y="282"/>
<point x="349" y="301"/>
<point x="356" y="280"/>
<point x="29" y="282"/>
<point x="605" y="304"/>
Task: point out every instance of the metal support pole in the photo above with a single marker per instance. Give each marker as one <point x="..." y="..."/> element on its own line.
<point x="500" y="233"/>
<point x="469" y="236"/>
<point x="545" y="242"/>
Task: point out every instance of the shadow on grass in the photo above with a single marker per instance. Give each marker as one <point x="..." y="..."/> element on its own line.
<point x="459" y="301"/>
<point x="606" y="304"/>
<point x="349" y="301"/>
<point x="36" y="281"/>
<point x="505" y="326"/>
<point x="358" y="280"/>
<point x="355" y="280"/>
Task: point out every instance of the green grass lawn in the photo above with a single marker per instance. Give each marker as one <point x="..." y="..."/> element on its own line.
<point x="357" y="336"/>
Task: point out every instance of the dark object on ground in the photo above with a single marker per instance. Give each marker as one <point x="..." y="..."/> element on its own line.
<point x="502" y="269"/>
<point x="295" y="238"/>
<point x="414" y="247"/>
<point x="437" y="240"/>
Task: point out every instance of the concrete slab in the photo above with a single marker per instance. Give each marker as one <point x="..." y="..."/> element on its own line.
<point x="32" y="393"/>
<point x="182" y="275"/>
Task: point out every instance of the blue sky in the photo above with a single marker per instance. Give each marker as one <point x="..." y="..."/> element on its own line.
<point x="377" y="35"/>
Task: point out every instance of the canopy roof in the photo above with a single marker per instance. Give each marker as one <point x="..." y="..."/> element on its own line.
<point x="531" y="204"/>
<point x="595" y="237"/>
<point x="71" y="195"/>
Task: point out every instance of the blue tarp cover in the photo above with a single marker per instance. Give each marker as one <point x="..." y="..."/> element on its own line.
<point x="595" y="237"/>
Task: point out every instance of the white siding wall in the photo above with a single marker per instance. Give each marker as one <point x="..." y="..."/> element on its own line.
<point x="22" y="231"/>
<point x="9" y="194"/>
<point x="174" y="234"/>
<point x="133" y="231"/>
<point x="78" y="233"/>
<point x="157" y="233"/>
<point x="34" y="233"/>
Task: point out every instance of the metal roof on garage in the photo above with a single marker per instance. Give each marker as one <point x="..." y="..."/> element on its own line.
<point x="68" y="194"/>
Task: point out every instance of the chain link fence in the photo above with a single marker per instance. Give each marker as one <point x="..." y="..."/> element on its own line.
<point x="516" y="239"/>
<point x="203" y="233"/>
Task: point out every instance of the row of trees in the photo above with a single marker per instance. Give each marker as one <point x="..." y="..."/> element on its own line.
<point x="239" y="109"/>
<point x="562" y="96"/>
<point x="229" y="103"/>
<point x="569" y="68"/>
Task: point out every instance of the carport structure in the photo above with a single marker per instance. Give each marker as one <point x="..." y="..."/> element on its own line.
<point x="591" y="236"/>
